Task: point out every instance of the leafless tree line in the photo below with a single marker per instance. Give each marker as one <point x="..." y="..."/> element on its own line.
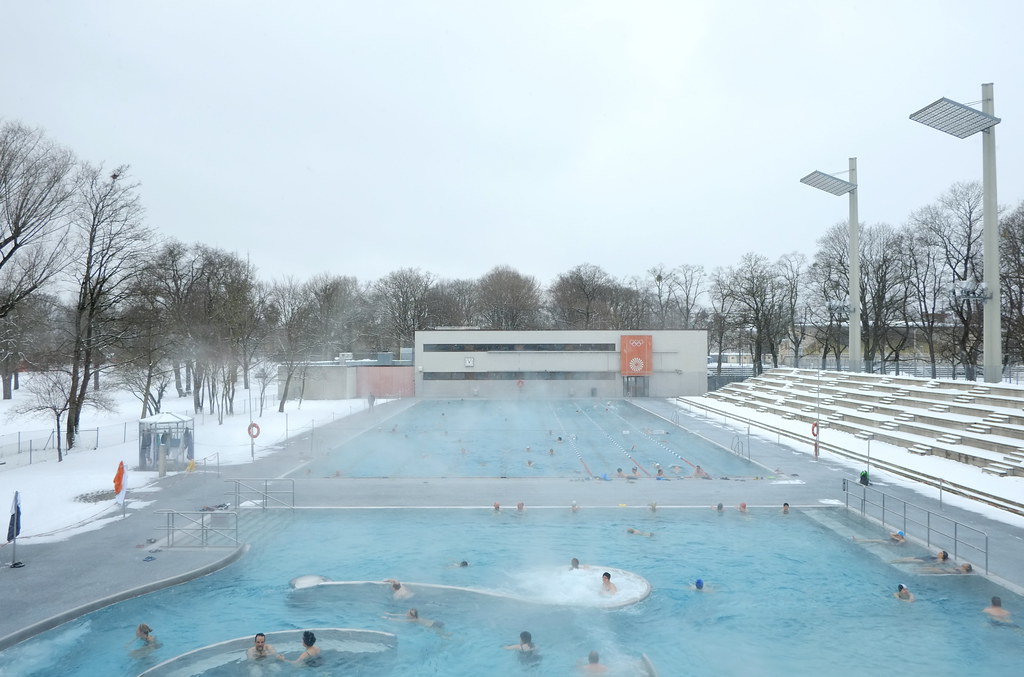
<point x="87" y="290"/>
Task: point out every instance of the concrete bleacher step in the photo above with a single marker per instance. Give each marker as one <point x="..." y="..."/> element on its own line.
<point x="996" y="418"/>
<point x="905" y="416"/>
<point x="889" y="425"/>
<point x="835" y="418"/>
<point x="789" y="416"/>
<point x="948" y="438"/>
<point x="932" y="384"/>
<point x="865" y="408"/>
<point x="980" y="390"/>
<point x="939" y="407"/>
<point x="887" y="400"/>
<point x="979" y="429"/>
<point x="994" y="469"/>
<point x="901" y="393"/>
<point x="963" y="399"/>
<point x="920" y="450"/>
<point x="808" y="409"/>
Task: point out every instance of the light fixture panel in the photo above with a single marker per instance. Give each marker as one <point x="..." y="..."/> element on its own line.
<point x="828" y="183"/>
<point x="954" y="118"/>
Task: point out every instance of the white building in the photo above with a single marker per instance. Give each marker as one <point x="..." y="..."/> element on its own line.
<point x="599" y="363"/>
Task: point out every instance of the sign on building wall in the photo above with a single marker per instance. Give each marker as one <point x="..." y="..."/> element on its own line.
<point x="636" y="354"/>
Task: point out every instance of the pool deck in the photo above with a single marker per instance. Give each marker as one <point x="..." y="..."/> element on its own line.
<point x="106" y="565"/>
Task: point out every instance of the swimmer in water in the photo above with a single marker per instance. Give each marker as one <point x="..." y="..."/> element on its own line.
<point x="996" y="612"/>
<point x="607" y="587"/>
<point x="785" y="508"/>
<point x="742" y="507"/>
<point x="260" y="649"/>
<point x="941" y="557"/>
<point x="699" y="472"/>
<point x="903" y="593"/>
<point x="497" y="506"/>
<point x="574" y="507"/>
<point x="593" y="665"/>
<point x="619" y="473"/>
<point x="720" y="508"/>
<point x="413" y="616"/>
<point x="895" y="538"/>
<point x="310" y="653"/>
<point x="398" y="591"/>
<point x="525" y="645"/>
<point x="699" y="585"/>
<point x="520" y="506"/>
<point x="637" y="532"/>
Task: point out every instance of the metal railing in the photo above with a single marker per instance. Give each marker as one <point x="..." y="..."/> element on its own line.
<point x="263" y="493"/>
<point x="200" y="529"/>
<point x="919" y="524"/>
<point x="941" y="484"/>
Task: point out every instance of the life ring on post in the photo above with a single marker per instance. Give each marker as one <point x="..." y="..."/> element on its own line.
<point x="254" y="430"/>
<point x="814" y="429"/>
<point x="520" y="383"/>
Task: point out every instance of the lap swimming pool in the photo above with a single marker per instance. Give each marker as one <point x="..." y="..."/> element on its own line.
<point x="501" y="438"/>
<point x="783" y="595"/>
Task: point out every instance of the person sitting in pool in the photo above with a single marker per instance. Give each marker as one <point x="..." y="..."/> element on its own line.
<point x="631" y="530"/>
<point x="895" y="538"/>
<point x="525" y="646"/>
<point x="145" y="633"/>
<point x="398" y="591"/>
<point x="996" y="612"/>
<point x="903" y="593"/>
<point x="593" y="665"/>
<point x="619" y="473"/>
<point x="310" y="653"/>
<point x="575" y="564"/>
<point x="660" y="474"/>
<point x="701" y="473"/>
<point x="719" y="507"/>
<point x="634" y="472"/>
<point x="785" y="508"/>
<point x="260" y="649"/>
<point x="742" y="507"/>
<point x="607" y="587"/>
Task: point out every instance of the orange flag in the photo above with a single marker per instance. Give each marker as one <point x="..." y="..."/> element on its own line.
<point x="119" y="485"/>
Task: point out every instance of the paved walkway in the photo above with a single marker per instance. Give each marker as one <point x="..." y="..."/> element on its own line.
<point x="90" y="570"/>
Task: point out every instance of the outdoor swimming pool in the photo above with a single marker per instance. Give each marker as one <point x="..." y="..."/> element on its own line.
<point x="785" y="595"/>
<point x="504" y="438"/>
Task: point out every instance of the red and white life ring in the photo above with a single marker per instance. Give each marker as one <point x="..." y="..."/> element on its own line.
<point x="254" y="430"/>
<point x="814" y="429"/>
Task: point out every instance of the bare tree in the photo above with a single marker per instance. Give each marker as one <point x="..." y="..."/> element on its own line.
<point x="37" y="191"/>
<point x="452" y="303"/>
<point x="50" y="393"/>
<point x="1011" y="248"/>
<point x="886" y="290"/>
<point x="110" y="243"/>
<point x="580" y="298"/>
<point x="508" y="300"/>
<point x="927" y="304"/>
<point x="402" y="298"/>
<point x="293" y="339"/>
<point x="954" y="226"/>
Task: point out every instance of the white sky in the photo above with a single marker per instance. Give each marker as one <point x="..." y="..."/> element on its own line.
<point x="359" y="137"/>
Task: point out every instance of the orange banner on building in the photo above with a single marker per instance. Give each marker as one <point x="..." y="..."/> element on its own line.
<point x="636" y="352"/>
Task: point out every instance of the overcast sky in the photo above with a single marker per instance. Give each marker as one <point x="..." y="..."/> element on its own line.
<point x="361" y="137"/>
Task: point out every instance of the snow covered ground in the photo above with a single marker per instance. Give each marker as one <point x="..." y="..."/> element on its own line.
<point x="50" y="490"/>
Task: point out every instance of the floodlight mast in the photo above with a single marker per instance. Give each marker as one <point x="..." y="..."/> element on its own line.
<point x="962" y="121"/>
<point x="831" y="184"/>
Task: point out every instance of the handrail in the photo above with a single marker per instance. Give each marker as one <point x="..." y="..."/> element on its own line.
<point x="895" y="512"/>
<point x="197" y="527"/>
<point x="943" y="485"/>
<point x="267" y="496"/>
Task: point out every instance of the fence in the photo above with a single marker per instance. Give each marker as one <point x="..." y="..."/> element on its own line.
<point x="931" y="528"/>
<point x="34" y="446"/>
<point x="200" y="529"/>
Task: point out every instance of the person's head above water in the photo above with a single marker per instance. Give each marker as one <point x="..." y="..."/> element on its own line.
<point x="699" y="584"/>
<point x="593" y="658"/>
<point x="574" y="563"/>
<point x="526" y="638"/>
<point x="308" y="638"/>
<point x="943" y="555"/>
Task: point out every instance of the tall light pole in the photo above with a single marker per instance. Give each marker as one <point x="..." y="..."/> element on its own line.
<point x="837" y="186"/>
<point x="962" y="121"/>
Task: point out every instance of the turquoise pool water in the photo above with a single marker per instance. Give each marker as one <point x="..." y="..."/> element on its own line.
<point x="785" y="596"/>
<point x="556" y="438"/>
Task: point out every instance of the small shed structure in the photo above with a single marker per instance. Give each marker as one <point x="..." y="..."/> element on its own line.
<point x="166" y="441"/>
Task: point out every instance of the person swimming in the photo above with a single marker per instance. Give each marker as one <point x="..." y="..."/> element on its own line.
<point x="903" y="593"/>
<point x="607" y="587"/>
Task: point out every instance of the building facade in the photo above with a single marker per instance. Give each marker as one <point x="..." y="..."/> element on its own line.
<point x="595" y="363"/>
